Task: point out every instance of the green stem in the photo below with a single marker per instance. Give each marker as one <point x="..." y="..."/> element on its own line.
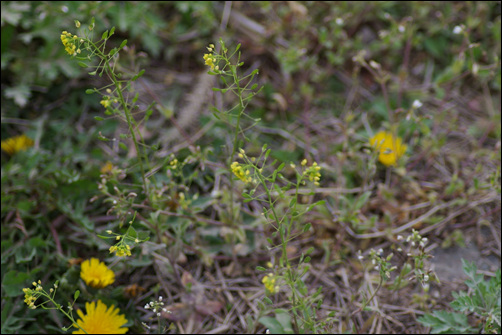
<point x="127" y="112"/>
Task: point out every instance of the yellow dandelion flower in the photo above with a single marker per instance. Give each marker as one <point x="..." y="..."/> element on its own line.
<point x="16" y="143"/>
<point x="101" y="319"/>
<point x="96" y="274"/>
<point x="390" y="148"/>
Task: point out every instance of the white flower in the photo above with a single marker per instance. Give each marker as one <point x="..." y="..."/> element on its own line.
<point x="417" y="104"/>
<point x="399" y="237"/>
<point x="458" y="30"/>
<point x="339" y="21"/>
<point x="401" y="28"/>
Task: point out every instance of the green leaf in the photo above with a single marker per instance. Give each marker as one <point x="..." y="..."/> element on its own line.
<point x="105" y="35"/>
<point x="90" y="91"/>
<point x="112" y="31"/>
<point x="281" y="324"/>
<point x="82" y="64"/>
<point x="98" y="118"/>
<point x="13" y="283"/>
<point x="75" y="296"/>
<point x="123" y="146"/>
<point x="443" y="322"/>
<point x="260" y="268"/>
<point x="306" y="228"/>
<point x="309" y="251"/>
<point x="361" y="201"/>
<point x="292" y="203"/>
<point x="123" y="44"/>
<point x="140" y="73"/>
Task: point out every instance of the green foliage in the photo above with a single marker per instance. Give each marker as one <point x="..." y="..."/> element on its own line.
<point x="102" y="179"/>
<point x="482" y="301"/>
<point x="278" y="324"/>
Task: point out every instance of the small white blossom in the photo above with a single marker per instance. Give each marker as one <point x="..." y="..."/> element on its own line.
<point x="417" y="104"/>
<point x="339" y="21"/>
<point x="458" y="30"/>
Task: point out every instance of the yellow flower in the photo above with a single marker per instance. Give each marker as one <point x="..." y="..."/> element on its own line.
<point x="269" y="282"/>
<point x="101" y="320"/>
<point x="390" y="148"/>
<point x="121" y="249"/>
<point x="313" y="173"/>
<point x="96" y="274"/>
<point x="240" y="173"/>
<point x="107" y="168"/>
<point x="16" y="143"/>
<point x="69" y="42"/>
<point x="106" y="102"/>
<point x="210" y="60"/>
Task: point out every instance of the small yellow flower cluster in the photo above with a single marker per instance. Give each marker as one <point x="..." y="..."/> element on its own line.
<point x="210" y="58"/>
<point x="107" y="168"/>
<point x="389" y="147"/>
<point x="173" y="164"/>
<point x="312" y="172"/>
<point x="184" y="202"/>
<point x="31" y="295"/>
<point x="269" y="281"/>
<point x="96" y="274"/>
<point x="240" y="173"/>
<point x="16" y="143"/>
<point x="121" y="250"/>
<point x="70" y="43"/>
<point x="106" y="102"/>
